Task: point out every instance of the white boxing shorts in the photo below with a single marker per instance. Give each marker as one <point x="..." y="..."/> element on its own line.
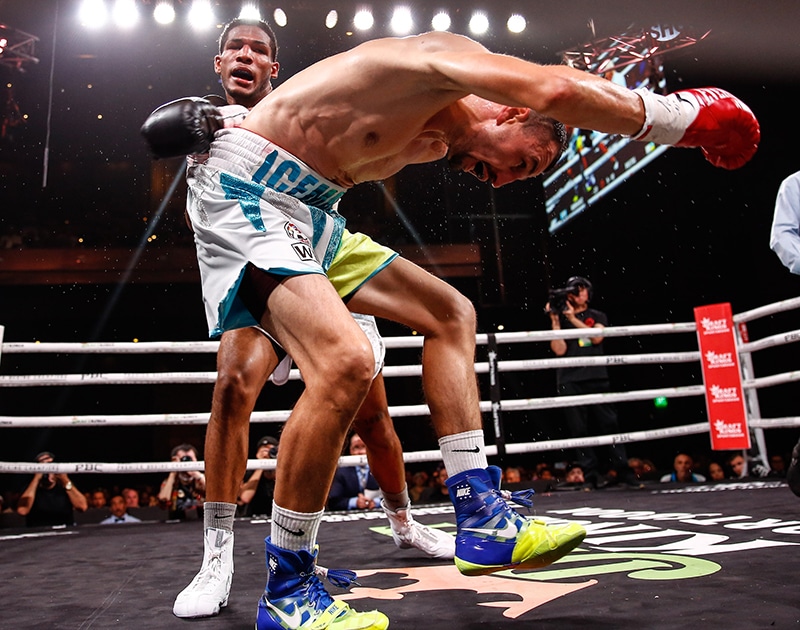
<point x="370" y="328"/>
<point x="367" y="324"/>
<point x="253" y="202"/>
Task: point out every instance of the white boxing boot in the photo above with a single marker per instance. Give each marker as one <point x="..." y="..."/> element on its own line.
<point x="209" y="590"/>
<point x="408" y="533"/>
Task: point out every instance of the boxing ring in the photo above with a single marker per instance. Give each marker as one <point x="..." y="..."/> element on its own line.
<point x="653" y="555"/>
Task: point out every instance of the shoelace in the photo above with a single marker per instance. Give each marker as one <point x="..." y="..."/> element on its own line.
<point x="520" y="497"/>
<point x="211" y="571"/>
<point x="318" y="597"/>
<point x="341" y="578"/>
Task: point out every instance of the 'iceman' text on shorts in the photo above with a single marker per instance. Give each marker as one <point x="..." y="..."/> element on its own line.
<point x="288" y="176"/>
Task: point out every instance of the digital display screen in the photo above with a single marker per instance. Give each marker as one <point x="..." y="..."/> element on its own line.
<point x="595" y="163"/>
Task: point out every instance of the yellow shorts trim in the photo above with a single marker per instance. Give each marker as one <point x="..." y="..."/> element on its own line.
<point x="357" y="260"/>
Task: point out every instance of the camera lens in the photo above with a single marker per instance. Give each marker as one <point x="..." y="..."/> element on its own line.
<point x="186" y="458"/>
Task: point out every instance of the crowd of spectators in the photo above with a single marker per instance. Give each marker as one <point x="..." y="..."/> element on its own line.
<point x="56" y="499"/>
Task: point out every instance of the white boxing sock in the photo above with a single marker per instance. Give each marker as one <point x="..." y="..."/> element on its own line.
<point x="294" y="530"/>
<point x="395" y="502"/>
<point x="219" y="515"/>
<point x="463" y="451"/>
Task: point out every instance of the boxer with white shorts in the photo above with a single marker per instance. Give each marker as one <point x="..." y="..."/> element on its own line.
<point x="252" y="204"/>
<point x="247" y="355"/>
<point x="363" y="115"/>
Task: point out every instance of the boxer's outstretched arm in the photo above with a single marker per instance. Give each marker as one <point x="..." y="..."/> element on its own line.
<point x="712" y="119"/>
<point x="574" y="97"/>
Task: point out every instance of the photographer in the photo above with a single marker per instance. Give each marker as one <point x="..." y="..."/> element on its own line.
<point x="183" y="493"/>
<point x="255" y="495"/>
<point x="50" y="498"/>
<point x="569" y="308"/>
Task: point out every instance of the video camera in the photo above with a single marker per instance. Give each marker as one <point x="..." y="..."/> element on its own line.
<point x="557" y="299"/>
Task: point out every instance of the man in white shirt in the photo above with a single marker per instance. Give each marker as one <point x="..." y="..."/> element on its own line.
<point x="784" y="238"/>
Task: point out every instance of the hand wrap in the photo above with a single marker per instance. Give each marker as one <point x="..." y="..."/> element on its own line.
<point x="710" y="118"/>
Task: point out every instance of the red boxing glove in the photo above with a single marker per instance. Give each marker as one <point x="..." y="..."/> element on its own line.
<point x="710" y="118"/>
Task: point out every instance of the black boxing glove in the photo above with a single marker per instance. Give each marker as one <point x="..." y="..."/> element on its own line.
<point x="182" y="127"/>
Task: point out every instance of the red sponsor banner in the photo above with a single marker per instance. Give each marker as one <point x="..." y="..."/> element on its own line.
<point x="723" y="379"/>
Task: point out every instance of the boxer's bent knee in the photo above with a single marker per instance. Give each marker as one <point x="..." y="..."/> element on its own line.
<point x="345" y="372"/>
<point x="237" y="387"/>
<point x="457" y="316"/>
<point x="245" y="359"/>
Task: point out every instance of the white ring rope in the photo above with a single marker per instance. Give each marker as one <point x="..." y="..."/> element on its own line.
<point x="522" y="365"/>
<point x="769" y="342"/>
<point x="117" y="347"/>
<point x="525" y="404"/>
<point x="171" y="378"/>
<point x="769" y="309"/>
<point x="413" y="457"/>
<point x="389" y="371"/>
<point x="414" y="341"/>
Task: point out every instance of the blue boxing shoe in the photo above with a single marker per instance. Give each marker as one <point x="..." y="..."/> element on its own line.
<point x="295" y="598"/>
<point x="492" y="536"/>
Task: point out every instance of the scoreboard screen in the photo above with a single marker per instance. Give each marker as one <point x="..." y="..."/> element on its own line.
<point x="595" y="163"/>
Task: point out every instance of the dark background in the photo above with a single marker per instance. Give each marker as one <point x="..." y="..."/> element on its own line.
<point x="679" y="234"/>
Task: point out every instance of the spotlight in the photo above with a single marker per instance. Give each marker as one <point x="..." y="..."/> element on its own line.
<point x="201" y="16"/>
<point x="478" y="23"/>
<point x="440" y="21"/>
<point x="331" y="19"/>
<point x="279" y="15"/>
<point x="164" y="13"/>
<point x="125" y="13"/>
<point x="363" y="20"/>
<point x="16" y="50"/>
<point x="92" y="13"/>
<point x="402" y="23"/>
<point x="516" y="23"/>
<point x="249" y="12"/>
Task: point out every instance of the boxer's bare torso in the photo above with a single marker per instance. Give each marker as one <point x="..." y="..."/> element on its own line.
<point x="354" y="117"/>
<point x="364" y="114"/>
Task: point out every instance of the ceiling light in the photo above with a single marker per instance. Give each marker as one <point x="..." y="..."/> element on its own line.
<point x="125" y="13"/>
<point x="516" y="23"/>
<point x="279" y="15"/>
<point x="331" y="19"/>
<point x="402" y="23"/>
<point x="479" y="23"/>
<point x="363" y="20"/>
<point x="201" y="16"/>
<point x="92" y="13"/>
<point x="249" y="12"/>
<point x="440" y="21"/>
<point x="164" y="13"/>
